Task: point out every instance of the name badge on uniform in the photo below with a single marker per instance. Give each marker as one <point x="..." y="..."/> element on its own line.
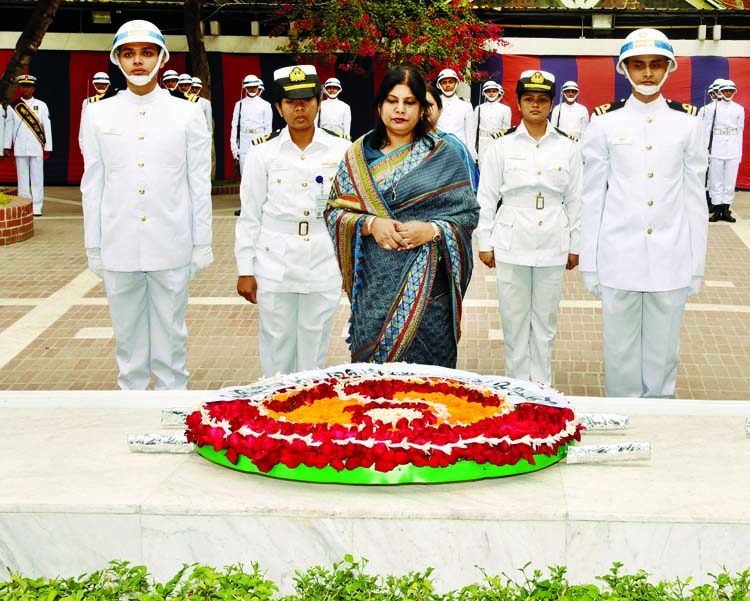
<point x="622" y="141"/>
<point x="321" y="196"/>
<point x="113" y="131"/>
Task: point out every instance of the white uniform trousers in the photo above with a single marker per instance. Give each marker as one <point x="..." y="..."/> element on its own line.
<point x="722" y="178"/>
<point x="31" y="180"/>
<point x="148" y="318"/>
<point x="529" y="298"/>
<point x="295" y="329"/>
<point x="641" y="341"/>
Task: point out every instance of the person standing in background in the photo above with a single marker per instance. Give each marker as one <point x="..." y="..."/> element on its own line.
<point x="570" y="116"/>
<point x="457" y="117"/>
<point x="490" y="117"/>
<point x="28" y="137"/>
<point x="335" y="115"/>
<point x="203" y="103"/>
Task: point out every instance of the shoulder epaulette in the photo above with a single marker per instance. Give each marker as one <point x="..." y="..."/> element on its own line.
<point x="335" y="133"/>
<point x="192" y="97"/>
<point x="566" y="134"/>
<point x="110" y="93"/>
<point x="603" y="109"/>
<point x="267" y="137"/>
<point x="504" y="132"/>
<point x="682" y="107"/>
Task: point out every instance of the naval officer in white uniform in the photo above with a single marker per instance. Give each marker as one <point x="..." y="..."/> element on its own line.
<point x="203" y="103"/>
<point x="28" y="137"/>
<point x="532" y="237"/>
<point x="252" y="118"/>
<point x="724" y="123"/>
<point x="285" y="257"/>
<point x="644" y="222"/>
<point x="490" y="117"/>
<point x="569" y="115"/>
<point x="147" y="209"/>
<point x="335" y="115"/>
<point x="457" y="117"/>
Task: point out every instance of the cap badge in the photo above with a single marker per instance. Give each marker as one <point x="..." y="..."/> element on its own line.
<point x="297" y="74"/>
<point x="537" y="78"/>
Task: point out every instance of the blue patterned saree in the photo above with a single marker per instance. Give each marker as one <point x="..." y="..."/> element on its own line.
<point x="406" y="304"/>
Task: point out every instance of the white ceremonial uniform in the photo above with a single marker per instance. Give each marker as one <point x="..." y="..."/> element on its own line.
<point x="282" y="239"/>
<point x="489" y="118"/>
<point x="205" y="106"/>
<point x="531" y="234"/>
<point x="571" y="118"/>
<point x="726" y="148"/>
<point x="335" y="115"/>
<point x="28" y="150"/>
<point x="147" y="203"/>
<point x="254" y="118"/>
<point x="457" y="118"/>
<point x="644" y="231"/>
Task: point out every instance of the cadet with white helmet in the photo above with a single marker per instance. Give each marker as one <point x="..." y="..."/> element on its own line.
<point x="100" y="82"/>
<point x="569" y="115"/>
<point x="285" y="257"/>
<point x="169" y="79"/>
<point x="643" y="228"/>
<point x="490" y="117"/>
<point x="708" y="116"/>
<point x="457" y="117"/>
<point x="184" y="83"/>
<point x="252" y="118"/>
<point x="205" y="105"/>
<point x="146" y="192"/>
<point x="335" y="115"/>
<point x="28" y="137"/>
<point x="532" y="238"/>
<point x="724" y="124"/>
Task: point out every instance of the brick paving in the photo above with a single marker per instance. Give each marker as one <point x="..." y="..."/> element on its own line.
<point x="45" y="285"/>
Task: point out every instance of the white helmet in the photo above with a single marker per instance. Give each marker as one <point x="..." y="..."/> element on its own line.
<point x="569" y="86"/>
<point x="332" y="83"/>
<point x="100" y="78"/>
<point x="447" y="74"/>
<point x="185" y="79"/>
<point x="492" y="85"/>
<point x="646" y="41"/>
<point x="169" y="75"/>
<point x="138" y="31"/>
<point x="196" y="83"/>
<point x="727" y="84"/>
<point x="252" y="81"/>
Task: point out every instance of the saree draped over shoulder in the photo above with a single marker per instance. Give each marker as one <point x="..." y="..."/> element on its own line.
<point x="406" y="304"/>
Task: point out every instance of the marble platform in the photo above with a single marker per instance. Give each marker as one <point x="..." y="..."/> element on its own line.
<point x="73" y="497"/>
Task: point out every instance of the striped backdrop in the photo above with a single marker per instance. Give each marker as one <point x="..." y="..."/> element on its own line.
<point x="64" y="82"/>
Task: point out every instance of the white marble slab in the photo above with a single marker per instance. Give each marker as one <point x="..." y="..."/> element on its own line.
<point x="72" y="497"/>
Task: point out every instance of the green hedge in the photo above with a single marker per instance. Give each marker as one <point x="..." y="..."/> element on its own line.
<point x="348" y="581"/>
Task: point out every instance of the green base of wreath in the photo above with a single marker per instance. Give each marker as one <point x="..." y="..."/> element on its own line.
<point x="401" y="474"/>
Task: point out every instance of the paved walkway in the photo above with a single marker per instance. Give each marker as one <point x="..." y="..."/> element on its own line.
<point x="55" y="330"/>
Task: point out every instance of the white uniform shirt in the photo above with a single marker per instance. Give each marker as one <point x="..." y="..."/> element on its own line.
<point x="19" y="136"/>
<point x="728" y="128"/>
<point x="644" y="225"/>
<point x="254" y="117"/>
<point x="279" y="195"/>
<point x="573" y="118"/>
<point x="205" y="106"/>
<point x="489" y="118"/>
<point x="518" y="169"/>
<point x="457" y="118"/>
<point x="336" y="115"/>
<point x="147" y="181"/>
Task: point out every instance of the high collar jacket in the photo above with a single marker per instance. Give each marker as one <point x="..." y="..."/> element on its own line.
<point x="254" y="118"/>
<point x="457" y="118"/>
<point x="728" y="128"/>
<point x="336" y="116"/>
<point x="571" y="118"/>
<point x="644" y="220"/>
<point x="147" y="180"/>
<point x="539" y="183"/>
<point x="18" y="136"/>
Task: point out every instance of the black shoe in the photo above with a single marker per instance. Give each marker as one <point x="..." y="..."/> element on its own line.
<point x="710" y="206"/>
<point x="238" y="212"/>
<point x="727" y="215"/>
<point x="717" y="215"/>
<point x="37" y="214"/>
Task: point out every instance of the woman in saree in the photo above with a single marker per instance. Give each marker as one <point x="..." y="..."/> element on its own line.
<point x="401" y="214"/>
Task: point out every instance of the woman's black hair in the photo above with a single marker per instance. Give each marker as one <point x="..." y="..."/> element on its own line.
<point x="408" y="75"/>
<point x="437" y="96"/>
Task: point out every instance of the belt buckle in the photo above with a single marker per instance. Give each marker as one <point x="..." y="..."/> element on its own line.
<point x="303" y="228"/>
<point x="539" y="201"/>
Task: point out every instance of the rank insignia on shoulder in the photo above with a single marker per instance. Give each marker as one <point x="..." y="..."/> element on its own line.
<point x="603" y="109"/>
<point x="504" y="132"/>
<point x="683" y="107"/>
<point x="266" y="137"/>
<point x="192" y="97"/>
<point x="335" y="133"/>
<point x="566" y="134"/>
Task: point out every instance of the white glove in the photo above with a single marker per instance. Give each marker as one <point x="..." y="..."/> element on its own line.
<point x="95" y="261"/>
<point x="695" y="285"/>
<point x="202" y="257"/>
<point x="591" y="283"/>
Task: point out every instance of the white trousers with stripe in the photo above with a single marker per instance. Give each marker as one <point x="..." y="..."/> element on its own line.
<point x="722" y="179"/>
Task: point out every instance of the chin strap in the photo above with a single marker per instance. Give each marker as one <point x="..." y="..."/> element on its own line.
<point x="142" y="80"/>
<point x="647" y="90"/>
